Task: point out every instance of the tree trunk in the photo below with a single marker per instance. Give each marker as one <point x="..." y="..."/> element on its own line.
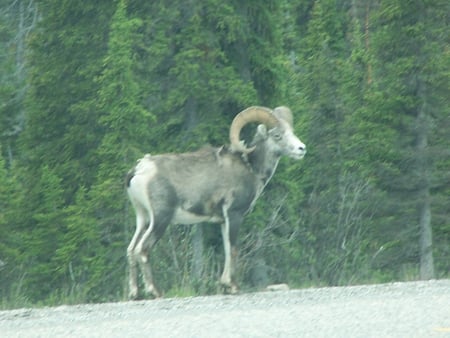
<point x="426" y="242"/>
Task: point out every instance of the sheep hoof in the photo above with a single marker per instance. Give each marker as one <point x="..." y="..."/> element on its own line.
<point x="230" y="289"/>
<point x="152" y="292"/>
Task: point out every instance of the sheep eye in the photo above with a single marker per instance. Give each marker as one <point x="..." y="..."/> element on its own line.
<point x="276" y="136"/>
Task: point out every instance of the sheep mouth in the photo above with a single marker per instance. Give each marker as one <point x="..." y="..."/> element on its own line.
<point x="298" y="155"/>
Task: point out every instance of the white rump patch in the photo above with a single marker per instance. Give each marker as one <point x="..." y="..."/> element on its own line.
<point x="145" y="170"/>
<point x="146" y="166"/>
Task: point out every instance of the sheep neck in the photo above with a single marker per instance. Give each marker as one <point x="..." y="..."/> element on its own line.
<point x="263" y="162"/>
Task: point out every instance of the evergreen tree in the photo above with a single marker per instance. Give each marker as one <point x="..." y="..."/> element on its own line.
<point x="61" y="130"/>
<point x="125" y="122"/>
<point x="195" y="87"/>
<point x="9" y="249"/>
<point x="81" y="261"/>
<point x="44" y="234"/>
<point x="17" y="20"/>
<point x="319" y="81"/>
<point x="412" y="91"/>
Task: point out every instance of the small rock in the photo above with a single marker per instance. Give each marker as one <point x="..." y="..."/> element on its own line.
<point x="278" y="287"/>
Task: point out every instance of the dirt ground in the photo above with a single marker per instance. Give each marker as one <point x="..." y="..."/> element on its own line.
<point x="414" y="309"/>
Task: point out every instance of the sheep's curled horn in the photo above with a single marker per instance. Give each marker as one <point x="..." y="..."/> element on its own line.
<point x="285" y="114"/>
<point x="252" y="114"/>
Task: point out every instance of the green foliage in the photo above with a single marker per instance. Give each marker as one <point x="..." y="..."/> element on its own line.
<point x="403" y="65"/>
<point x="16" y="22"/>
<point x="44" y="233"/>
<point x="9" y="250"/>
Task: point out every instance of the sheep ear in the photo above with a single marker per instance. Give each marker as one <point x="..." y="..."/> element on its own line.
<point x="262" y="131"/>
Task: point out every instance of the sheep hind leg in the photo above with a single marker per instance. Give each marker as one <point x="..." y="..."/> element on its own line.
<point x="142" y="250"/>
<point x="150" y="288"/>
<point x="144" y="247"/>
<point x="132" y="259"/>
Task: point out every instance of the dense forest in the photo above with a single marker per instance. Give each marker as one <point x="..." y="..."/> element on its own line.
<point x="87" y="88"/>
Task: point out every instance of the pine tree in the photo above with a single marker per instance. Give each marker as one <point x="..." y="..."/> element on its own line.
<point x="44" y="235"/>
<point x="61" y="131"/>
<point x="9" y="250"/>
<point x="319" y="82"/>
<point x="408" y="44"/>
<point x="125" y="122"/>
<point x="65" y="58"/>
<point x="18" y="19"/>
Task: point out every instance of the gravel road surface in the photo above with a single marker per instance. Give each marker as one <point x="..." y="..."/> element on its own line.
<point x="414" y="309"/>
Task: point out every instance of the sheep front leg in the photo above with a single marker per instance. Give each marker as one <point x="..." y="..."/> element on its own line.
<point x="229" y="237"/>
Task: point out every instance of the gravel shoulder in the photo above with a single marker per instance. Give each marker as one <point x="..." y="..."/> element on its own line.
<point x="413" y="309"/>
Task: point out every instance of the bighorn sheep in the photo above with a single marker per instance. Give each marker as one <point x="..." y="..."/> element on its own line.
<point x="217" y="185"/>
